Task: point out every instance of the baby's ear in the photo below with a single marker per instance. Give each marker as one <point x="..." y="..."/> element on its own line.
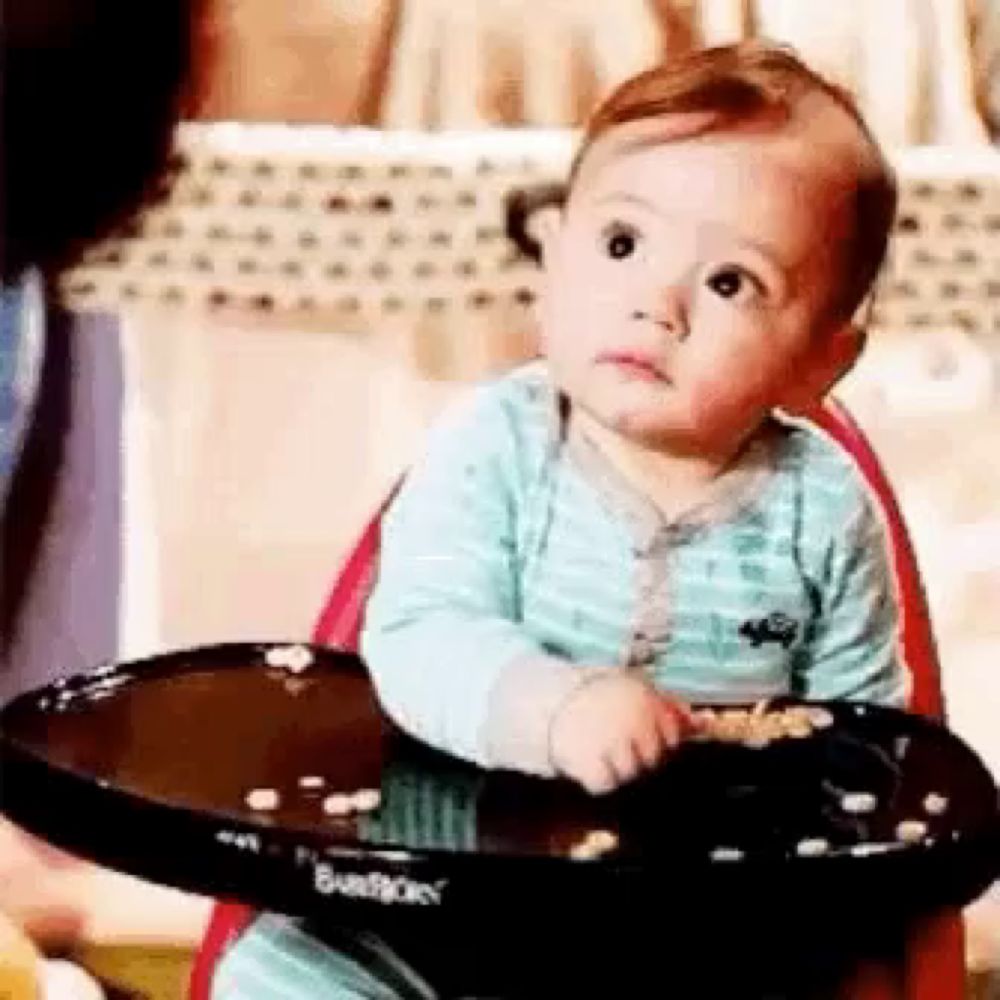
<point x="532" y="216"/>
<point x="828" y="361"/>
<point x="544" y="226"/>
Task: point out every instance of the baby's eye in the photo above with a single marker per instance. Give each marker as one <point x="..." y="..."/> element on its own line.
<point x="619" y="240"/>
<point x="733" y="283"/>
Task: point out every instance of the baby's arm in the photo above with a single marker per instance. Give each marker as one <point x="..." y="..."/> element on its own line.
<point x="451" y="662"/>
<point x="853" y="651"/>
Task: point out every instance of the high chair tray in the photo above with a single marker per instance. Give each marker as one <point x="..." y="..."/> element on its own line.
<point x="212" y="769"/>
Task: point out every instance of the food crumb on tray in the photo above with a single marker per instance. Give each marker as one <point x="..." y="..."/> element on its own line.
<point x="911" y="831"/>
<point x="935" y="804"/>
<point x="364" y="800"/>
<point x="338" y="805"/>
<point x="263" y="799"/>
<point x="858" y="803"/>
<point x="758" y="727"/>
<point x="727" y="854"/>
<point x="295" y="659"/>
<point x="594" y="845"/>
<point x="367" y="800"/>
<point x="812" y="847"/>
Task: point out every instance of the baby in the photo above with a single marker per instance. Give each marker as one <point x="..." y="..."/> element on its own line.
<point x="597" y="540"/>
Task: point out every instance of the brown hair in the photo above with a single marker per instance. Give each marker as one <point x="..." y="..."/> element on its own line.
<point x="753" y="81"/>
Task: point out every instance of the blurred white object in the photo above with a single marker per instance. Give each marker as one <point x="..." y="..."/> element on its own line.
<point x="19" y="962"/>
<point x="722" y="22"/>
<point x="909" y="62"/>
<point x="951" y="76"/>
<point x="63" y="980"/>
<point x="480" y="62"/>
<point x="922" y="374"/>
<point x="829" y="43"/>
<point x="889" y="77"/>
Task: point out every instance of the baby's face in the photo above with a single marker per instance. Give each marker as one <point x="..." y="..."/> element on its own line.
<point x="688" y="281"/>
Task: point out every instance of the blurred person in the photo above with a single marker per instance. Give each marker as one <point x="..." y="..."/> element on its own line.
<point x="91" y="93"/>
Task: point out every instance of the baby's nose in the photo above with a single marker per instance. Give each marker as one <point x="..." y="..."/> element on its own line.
<point x="670" y="320"/>
<point x="663" y="301"/>
<point x="652" y="317"/>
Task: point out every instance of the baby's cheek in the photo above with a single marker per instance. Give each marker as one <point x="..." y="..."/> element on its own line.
<point x="719" y="400"/>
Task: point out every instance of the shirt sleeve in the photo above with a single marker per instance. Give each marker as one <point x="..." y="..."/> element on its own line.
<point x="451" y="662"/>
<point x="854" y="650"/>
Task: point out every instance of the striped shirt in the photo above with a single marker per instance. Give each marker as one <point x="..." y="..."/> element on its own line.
<point x="516" y="561"/>
<point x="278" y="958"/>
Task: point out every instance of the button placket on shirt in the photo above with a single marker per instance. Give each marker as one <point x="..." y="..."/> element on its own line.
<point x="651" y="624"/>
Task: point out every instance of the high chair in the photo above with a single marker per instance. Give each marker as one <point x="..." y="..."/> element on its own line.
<point x="933" y="965"/>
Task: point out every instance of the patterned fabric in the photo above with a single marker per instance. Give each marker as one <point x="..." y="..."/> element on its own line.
<point x="513" y="558"/>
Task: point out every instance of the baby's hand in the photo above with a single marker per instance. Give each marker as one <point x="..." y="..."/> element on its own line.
<point x="612" y="729"/>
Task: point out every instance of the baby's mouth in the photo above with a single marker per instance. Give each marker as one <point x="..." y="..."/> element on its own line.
<point x="635" y="365"/>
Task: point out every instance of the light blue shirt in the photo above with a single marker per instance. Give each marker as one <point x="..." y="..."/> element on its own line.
<point x="516" y="561"/>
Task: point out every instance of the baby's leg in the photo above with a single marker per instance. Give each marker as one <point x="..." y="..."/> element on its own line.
<point x="276" y="959"/>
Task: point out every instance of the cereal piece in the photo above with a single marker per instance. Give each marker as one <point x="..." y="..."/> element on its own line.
<point x="366" y="800"/>
<point x="727" y="854"/>
<point x="338" y="805"/>
<point x="759" y="726"/>
<point x="797" y="729"/>
<point x="602" y="840"/>
<point x="584" y="851"/>
<point x="298" y="659"/>
<point x="594" y="845"/>
<point x="858" y="803"/>
<point x="819" y="718"/>
<point x="263" y="799"/>
<point x="812" y="847"/>
<point x="867" y="850"/>
<point x="911" y="831"/>
<point x="935" y="804"/>
<point x="276" y="656"/>
<point x="311" y="781"/>
<point x="798" y="712"/>
<point x="731" y="726"/>
<point x="295" y="659"/>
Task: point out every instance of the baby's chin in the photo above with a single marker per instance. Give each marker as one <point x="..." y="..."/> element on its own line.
<point x="651" y="428"/>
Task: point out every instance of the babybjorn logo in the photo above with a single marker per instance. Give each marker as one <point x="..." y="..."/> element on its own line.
<point x="377" y="887"/>
<point x="775" y="627"/>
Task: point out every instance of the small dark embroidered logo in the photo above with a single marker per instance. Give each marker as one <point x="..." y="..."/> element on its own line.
<point x="776" y="627"/>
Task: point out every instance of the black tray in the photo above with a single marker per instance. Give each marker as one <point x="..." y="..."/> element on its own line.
<point x="144" y="767"/>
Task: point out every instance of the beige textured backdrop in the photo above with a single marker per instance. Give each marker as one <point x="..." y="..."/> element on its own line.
<point x="917" y="66"/>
